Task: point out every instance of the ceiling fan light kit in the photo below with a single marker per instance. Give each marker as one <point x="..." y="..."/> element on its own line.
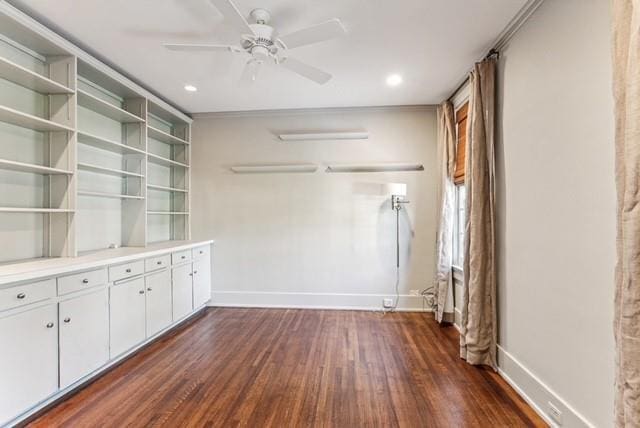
<point x="260" y="43"/>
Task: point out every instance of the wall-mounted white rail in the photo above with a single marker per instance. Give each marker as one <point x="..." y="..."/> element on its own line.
<point x="325" y="136"/>
<point x="275" y="169"/>
<point x="381" y="167"/>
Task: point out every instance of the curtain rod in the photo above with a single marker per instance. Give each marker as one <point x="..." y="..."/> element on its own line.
<point x="492" y="53"/>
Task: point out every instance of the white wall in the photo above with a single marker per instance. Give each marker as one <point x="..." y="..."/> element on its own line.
<point x="556" y="210"/>
<point x="323" y="240"/>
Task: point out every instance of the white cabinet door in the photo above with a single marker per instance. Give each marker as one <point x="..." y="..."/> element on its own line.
<point x="84" y="335"/>
<point x="201" y="281"/>
<point x="127" y="315"/>
<point x="28" y="359"/>
<point x="159" y="312"/>
<point x="182" y="291"/>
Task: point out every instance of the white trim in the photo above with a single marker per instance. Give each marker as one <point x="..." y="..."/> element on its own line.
<point x="536" y="393"/>
<point x="259" y="299"/>
<point x="312" y="111"/>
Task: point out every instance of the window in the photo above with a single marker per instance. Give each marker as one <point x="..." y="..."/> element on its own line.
<point x="458" y="225"/>
<point x="458" y="179"/>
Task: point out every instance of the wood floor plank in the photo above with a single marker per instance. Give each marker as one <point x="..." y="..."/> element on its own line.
<point x="297" y="368"/>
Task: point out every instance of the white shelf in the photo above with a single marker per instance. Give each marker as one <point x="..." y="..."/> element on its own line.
<point x="28" y="167"/>
<point x="381" y="167"/>
<point x="105" y="144"/>
<point x="277" y="169"/>
<point x="104" y="108"/>
<point x="34" y="210"/>
<point x="325" y="136"/>
<point x="166" y="189"/>
<point x="164" y="161"/>
<point x="164" y="137"/>
<point x="167" y="213"/>
<point x="107" y="195"/>
<point x="29" y="121"/>
<point x="107" y="171"/>
<point x="30" y="79"/>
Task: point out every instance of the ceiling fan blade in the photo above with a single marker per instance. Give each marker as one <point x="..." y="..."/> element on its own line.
<point x="233" y="15"/>
<point x="318" y="33"/>
<point x="250" y="72"/>
<point x="195" y="47"/>
<point x="306" y="70"/>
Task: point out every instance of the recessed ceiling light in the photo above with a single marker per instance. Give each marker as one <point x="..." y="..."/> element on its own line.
<point x="394" y="80"/>
<point x="190" y="88"/>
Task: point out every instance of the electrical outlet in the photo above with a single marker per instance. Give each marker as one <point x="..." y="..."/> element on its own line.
<point x="387" y="303"/>
<point x="555" y="413"/>
<point x="414" y="292"/>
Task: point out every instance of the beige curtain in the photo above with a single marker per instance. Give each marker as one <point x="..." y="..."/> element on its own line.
<point x="478" y="329"/>
<point x="443" y="300"/>
<point x="626" y="87"/>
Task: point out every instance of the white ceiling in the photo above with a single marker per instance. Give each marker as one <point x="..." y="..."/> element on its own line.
<point x="432" y="43"/>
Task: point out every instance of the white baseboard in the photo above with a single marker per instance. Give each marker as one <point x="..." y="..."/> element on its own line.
<point x="536" y="393"/>
<point x="256" y="299"/>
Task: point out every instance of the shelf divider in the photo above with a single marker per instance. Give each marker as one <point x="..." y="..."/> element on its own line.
<point x="106" y="144"/>
<point x="104" y="108"/>
<point x="29" y="121"/>
<point x="30" y="79"/>
<point x="164" y="137"/>
<point x="107" y="195"/>
<point x="166" y="189"/>
<point x="32" y="168"/>
<point x="107" y="171"/>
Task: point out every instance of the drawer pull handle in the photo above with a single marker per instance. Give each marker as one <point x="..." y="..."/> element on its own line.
<point x="183" y="257"/>
<point x="201" y="252"/>
<point x="128" y="270"/>
<point x="67" y="320"/>
<point x="149" y="289"/>
<point x="190" y="274"/>
<point x="85" y="281"/>
<point x="21" y="296"/>
<point x="50" y="325"/>
<point x="141" y="291"/>
<point x="159" y="262"/>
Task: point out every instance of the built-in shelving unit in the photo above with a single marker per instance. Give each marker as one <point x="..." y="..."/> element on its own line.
<point x="83" y="148"/>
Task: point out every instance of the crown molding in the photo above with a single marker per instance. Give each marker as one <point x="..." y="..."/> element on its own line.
<point x="306" y="111"/>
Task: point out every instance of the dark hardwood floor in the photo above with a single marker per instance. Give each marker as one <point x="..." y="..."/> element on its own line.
<point x="298" y="368"/>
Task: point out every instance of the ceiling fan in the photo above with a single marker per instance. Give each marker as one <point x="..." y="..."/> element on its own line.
<point x="261" y="43"/>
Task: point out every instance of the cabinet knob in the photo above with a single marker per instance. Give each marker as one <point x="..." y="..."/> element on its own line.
<point x="141" y="291"/>
<point x="159" y="262"/>
<point x="128" y="270"/>
<point x="190" y="274"/>
<point x="67" y="320"/>
<point x="195" y="272"/>
<point x="21" y="296"/>
<point x="149" y="289"/>
<point x="183" y="257"/>
<point x="50" y="325"/>
<point x="85" y="281"/>
<point x="201" y="252"/>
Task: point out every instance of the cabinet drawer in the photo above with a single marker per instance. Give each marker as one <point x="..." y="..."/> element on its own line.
<point x="201" y="251"/>
<point x="28" y="293"/>
<point x="126" y="270"/>
<point x="180" y="256"/>
<point x="80" y="281"/>
<point x="155" y="263"/>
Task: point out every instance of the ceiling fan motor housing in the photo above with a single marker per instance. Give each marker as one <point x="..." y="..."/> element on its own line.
<point x="261" y="47"/>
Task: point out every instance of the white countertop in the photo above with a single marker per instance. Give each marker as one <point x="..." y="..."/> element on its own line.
<point x="46" y="267"/>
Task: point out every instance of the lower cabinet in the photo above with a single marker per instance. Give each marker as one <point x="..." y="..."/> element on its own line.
<point x="159" y="312"/>
<point x="84" y="335"/>
<point x="28" y="358"/>
<point x="182" y="291"/>
<point x="201" y="281"/>
<point x="127" y="315"/>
